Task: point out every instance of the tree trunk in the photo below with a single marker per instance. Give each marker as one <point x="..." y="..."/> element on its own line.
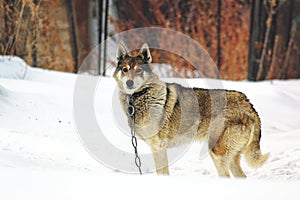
<point x="274" y="45"/>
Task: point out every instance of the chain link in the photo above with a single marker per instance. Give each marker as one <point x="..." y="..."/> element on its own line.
<point x="131" y="112"/>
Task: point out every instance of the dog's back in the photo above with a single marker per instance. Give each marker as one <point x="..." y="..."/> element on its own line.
<point x="231" y="124"/>
<point x="237" y="125"/>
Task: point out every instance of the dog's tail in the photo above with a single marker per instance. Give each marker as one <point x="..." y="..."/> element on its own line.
<point x="252" y="151"/>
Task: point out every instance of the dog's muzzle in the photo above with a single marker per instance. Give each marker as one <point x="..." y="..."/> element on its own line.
<point x="129" y="84"/>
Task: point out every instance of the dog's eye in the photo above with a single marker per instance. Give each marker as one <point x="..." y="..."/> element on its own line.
<point x="125" y="70"/>
<point x="138" y="70"/>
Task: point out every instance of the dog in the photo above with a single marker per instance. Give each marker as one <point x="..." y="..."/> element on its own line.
<point x="168" y="115"/>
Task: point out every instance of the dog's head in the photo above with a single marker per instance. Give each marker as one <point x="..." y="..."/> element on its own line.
<point x="133" y="72"/>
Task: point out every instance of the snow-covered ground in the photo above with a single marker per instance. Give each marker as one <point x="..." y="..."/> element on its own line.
<point x="40" y="146"/>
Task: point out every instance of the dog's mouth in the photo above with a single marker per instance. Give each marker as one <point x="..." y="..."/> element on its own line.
<point x="130" y="87"/>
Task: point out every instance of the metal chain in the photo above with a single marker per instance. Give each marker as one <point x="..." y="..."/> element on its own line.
<point x="131" y="112"/>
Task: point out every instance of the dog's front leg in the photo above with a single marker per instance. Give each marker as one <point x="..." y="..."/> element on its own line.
<point x="161" y="160"/>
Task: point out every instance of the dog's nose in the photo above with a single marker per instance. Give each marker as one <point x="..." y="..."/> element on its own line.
<point x="129" y="83"/>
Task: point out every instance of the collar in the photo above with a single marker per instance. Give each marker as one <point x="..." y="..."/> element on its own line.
<point x="135" y="95"/>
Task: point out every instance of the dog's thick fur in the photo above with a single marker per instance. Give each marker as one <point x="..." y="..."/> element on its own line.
<point x="168" y="115"/>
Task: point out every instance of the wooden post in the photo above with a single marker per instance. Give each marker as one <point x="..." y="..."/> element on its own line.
<point x="105" y="35"/>
<point x="283" y="36"/>
<point x="292" y="69"/>
<point x="100" y="26"/>
<point x="219" y="49"/>
<point x="72" y="35"/>
<point x="80" y="17"/>
<point x="255" y="45"/>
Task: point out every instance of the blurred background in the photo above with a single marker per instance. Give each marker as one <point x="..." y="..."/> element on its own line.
<point x="247" y="39"/>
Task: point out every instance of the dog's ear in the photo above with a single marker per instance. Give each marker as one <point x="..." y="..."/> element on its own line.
<point x="145" y="53"/>
<point x="121" y="52"/>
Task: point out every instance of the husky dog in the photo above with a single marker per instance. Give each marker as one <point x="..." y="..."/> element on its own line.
<point x="168" y="115"/>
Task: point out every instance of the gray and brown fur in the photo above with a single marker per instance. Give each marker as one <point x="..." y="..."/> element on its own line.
<point x="168" y="115"/>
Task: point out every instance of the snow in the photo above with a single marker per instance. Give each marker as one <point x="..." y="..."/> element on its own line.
<point x="17" y="71"/>
<point x="42" y="152"/>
